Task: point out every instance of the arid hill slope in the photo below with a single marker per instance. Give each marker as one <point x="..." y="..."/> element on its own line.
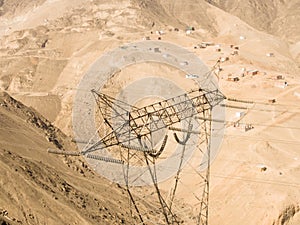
<point x="279" y="17"/>
<point x="38" y="188"/>
<point x="47" y="46"/>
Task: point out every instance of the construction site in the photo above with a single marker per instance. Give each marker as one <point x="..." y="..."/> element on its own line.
<point x="149" y="112"/>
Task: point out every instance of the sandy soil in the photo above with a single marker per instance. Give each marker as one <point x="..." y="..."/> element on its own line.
<point x="38" y="188"/>
<point x="46" y="49"/>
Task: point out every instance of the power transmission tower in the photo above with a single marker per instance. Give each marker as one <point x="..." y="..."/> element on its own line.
<point x="132" y="133"/>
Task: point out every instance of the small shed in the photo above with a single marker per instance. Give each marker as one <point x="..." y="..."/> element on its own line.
<point x="262" y="167"/>
<point x="223" y="59"/>
<point x="252" y="72"/>
<point x="279" y="77"/>
<point x="248" y="127"/>
<point x="160" y="32"/>
<point x="188" y="31"/>
<point x="272" y="100"/>
<point x="239" y="114"/>
<point x="207" y="43"/>
<point x="157" y="50"/>
<point x="243" y="71"/>
<point x="191" y="76"/>
<point x="235" y="79"/>
<point x="184" y="63"/>
<point x="235" y="52"/>
<point x="190" y="28"/>
<point x="218" y="70"/>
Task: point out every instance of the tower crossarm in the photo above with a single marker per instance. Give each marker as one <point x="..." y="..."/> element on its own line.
<point x="145" y="120"/>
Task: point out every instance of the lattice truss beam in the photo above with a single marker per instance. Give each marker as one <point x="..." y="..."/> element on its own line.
<point x="124" y="119"/>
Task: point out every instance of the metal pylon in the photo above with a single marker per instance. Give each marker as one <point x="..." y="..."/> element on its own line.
<point x="131" y="132"/>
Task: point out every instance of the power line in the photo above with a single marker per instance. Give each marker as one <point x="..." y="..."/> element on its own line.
<point x="245" y="179"/>
<point x="264" y="139"/>
<point x="260" y="181"/>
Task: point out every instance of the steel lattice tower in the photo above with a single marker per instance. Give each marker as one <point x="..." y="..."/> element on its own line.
<point x="129" y="132"/>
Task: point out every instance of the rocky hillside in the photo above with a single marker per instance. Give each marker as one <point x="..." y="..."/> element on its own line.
<point x="12" y="8"/>
<point x="38" y="188"/>
<point x="279" y="17"/>
<point x="47" y="46"/>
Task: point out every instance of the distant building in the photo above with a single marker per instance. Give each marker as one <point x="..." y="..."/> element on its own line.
<point x="189" y="30"/>
<point x="272" y="100"/>
<point x="234" y="52"/>
<point x="157" y="50"/>
<point x="248" y="127"/>
<point x="252" y="72"/>
<point x="279" y="77"/>
<point x="223" y="59"/>
<point x="239" y="114"/>
<point x="160" y="32"/>
<point x="206" y="43"/>
<point x="191" y="76"/>
<point x="235" y="79"/>
<point x="184" y="63"/>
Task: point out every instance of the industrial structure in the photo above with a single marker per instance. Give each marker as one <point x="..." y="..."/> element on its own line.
<point x="139" y="136"/>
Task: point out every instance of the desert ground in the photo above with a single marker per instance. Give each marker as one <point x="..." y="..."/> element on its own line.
<point x="48" y="46"/>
